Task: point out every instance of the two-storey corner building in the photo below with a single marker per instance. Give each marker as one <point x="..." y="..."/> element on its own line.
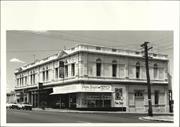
<point x="95" y="77"/>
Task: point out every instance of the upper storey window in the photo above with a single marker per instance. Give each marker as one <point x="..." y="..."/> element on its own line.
<point x="43" y="74"/>
<point x="114" y="50"/>
<point x="139" y="94"/>
<point x="61" y="69"/>
<point x="32" y="77"/>
<point x="66" y="70"/>
<point x="98" y="48"/>
<point x="114" y="68"/>
<point x="47" y="75"/>
<point x="155" y="71"/>
<point x="72" y="69"/>
<point x="56" y="73"/>
<point x="137" y="70"/>
<point x="18" y="82"/>
<point x="98" y="67"/>
<point x="25" y="80"/>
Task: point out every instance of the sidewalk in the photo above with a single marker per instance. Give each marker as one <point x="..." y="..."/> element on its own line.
<point x="79" y="111"/>
<point x="162" y="118"/>
<point x="75" y="111"/>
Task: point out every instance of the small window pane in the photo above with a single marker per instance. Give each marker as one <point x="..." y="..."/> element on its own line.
<point x="73" y="69"/>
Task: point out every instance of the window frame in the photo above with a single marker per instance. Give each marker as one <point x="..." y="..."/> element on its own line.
<point x="73" y="69"/>
<point x="139" y="94"/>
<point x="156" y="97"/>
<point x="98" y="67"/>
<point x="155" y="69"/>
<point x="114" y="68"/>
<point x="43" y="75"/>
<point x="47" y="73"/>
<point x="56" y="73"/>
<point x="137" y="70"/>
<point x="66" y="70"/>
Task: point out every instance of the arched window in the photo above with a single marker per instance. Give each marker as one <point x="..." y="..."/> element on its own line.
<point x="114" y="68"/>
<point x="61" y="69"/>
<point x="137" y="70"/>
<point x="98" y="67"/>
<point x="155" y="71"/>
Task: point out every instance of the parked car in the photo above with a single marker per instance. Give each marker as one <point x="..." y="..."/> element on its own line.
<point x="19" y="106"/>
<point x="26" y="106"/>
<point x="12" y="105"/>
<point x="9" y="105"/>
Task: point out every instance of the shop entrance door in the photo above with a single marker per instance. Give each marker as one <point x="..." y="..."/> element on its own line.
<point x="72" y="100"/>
<point x="68" y="100"/>
<point x="64" y="101"/>
<point x="99" y="104"/>
<point x="107" y="103"/>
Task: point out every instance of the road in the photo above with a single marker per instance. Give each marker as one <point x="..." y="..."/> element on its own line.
<point x="22" y="116"/>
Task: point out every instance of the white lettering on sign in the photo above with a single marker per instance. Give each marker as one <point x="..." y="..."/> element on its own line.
<point x="97" y="88"/>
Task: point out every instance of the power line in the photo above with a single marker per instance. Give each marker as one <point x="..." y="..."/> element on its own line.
<point x="123" y="44"/>
<point x="53" y="50"/>
<point x="102" y="40"/>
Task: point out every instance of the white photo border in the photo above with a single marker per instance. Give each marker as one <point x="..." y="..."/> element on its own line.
<point x="87" y="15"/>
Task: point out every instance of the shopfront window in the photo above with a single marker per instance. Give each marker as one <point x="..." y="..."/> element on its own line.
<point x="98" y="100"/>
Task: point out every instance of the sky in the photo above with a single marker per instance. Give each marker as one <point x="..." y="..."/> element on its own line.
<point x="24" y="47"/>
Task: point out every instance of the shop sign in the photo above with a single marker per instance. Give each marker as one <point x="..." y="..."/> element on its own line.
<point x="119" y="96"/>
<point x="119" y="102"/>
<point x="96" y="88"/>
<point x="118" y="93"/>
<point x="81" y="88"/>
<point x="98" y="97"/>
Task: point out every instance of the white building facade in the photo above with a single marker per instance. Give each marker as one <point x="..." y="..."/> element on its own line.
<point x="95" y="77"/>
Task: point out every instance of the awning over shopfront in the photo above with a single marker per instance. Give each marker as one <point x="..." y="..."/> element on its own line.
<point x="81" y="88"/>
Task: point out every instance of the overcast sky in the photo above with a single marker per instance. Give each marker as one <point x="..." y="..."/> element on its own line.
<point x="24" y="46"/>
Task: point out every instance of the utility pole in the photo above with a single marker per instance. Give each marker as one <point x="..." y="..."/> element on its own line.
<point x="145" y="46"/>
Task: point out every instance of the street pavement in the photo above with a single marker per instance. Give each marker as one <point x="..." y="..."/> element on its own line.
<point x="39" y="116"/>
<point x="168" y="118"/>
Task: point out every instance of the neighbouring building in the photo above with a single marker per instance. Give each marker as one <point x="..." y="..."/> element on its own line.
<point x="95" y="77"/>
<point x="11" y="97"/>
